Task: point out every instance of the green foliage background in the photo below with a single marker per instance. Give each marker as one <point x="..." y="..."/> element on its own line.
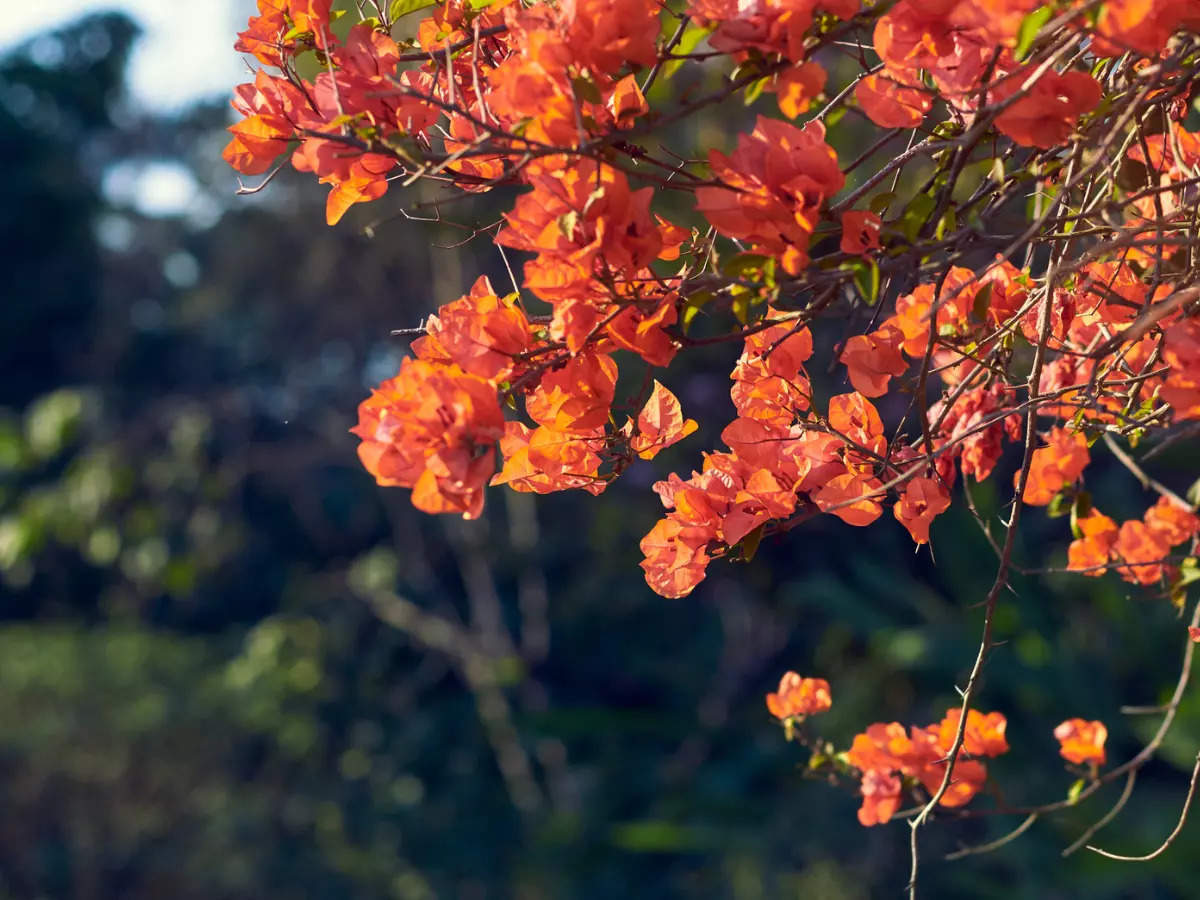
<point x="197" y="700"/>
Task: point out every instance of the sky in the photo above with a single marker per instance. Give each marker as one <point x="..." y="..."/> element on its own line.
<point x="185" y="53"/>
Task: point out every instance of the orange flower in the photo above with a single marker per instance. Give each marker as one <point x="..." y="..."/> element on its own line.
<point x="776" y="181"/>
<point x="605" y="35"/>
<point x="1046" y="115"/>
<point x="921" y="501"/>
<point x="983" y="736"/>
<point x="676" y="557"/>
<point x="660" y="424"/>
<point x="1144" y="550"/>
<point x="799" y="697"/>
<point x="853" y="417"/>
<point x="885" y="750"/>
<point x="1171" y="522"/>
<point x="860" y="231"/>
<point x="1054" y="466"/>
<point x="890" y="104"/>
<point x="796" y="87"/>
<point x="432" y="429"/>
<point x="479" y="331"/>
<point x="880" y="797"/>
<point x="1094" y="548"/>
<point x="858" y="492"/>
<point x="1082" y="742"/>
<point x="968" y="779"/>
<point x="577" y="397"/>
<point x="1181" y="352"/>
<point x="543" y="460"/>
<point x="872" y="360"/>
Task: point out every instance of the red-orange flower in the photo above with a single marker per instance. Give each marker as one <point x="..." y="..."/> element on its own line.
<point x="660" y="424"/>
<point x="1090" y="552"/>
<point x="860" y="231"/>
<point x="1046" y="115"/>
<point x="1055" y="465"/>
<point x="799" y="697"/>
<point x="887" y="750"/>
<point x="1172" y="522"/>
<point x="480" y="331"/>
<point x="872" y="360"/>
<point x="890" y="104"/>
<point x="1143" y="549"/>
<point x="983" y="736"/>
<point x="796" y="87"/>
<point x="432" y="428"/>
<point x="778" y="179"/>
<point x="921" y="501"/>
<point x="1082" y="741"/>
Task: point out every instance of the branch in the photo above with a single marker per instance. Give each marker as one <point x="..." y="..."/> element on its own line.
<point x="1187" y="803"/>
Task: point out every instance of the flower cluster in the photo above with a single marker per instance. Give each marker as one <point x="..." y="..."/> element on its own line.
<point x="886" y="754"/>
<point x="1012" y="293"/>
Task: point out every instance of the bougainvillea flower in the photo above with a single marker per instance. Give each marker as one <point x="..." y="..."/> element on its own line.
<point x="777" y="180"/>
<point x="983" y="736"/>
<point x="921" y="501"/>
<point x="860" y="231"/>
<point x="796" y="87"/>
<point x="1047" y="114"/>
<point x="1092" y="550"/>
<point x="432" y="428"/>
<point x="1059" y="463"/>
<point x="1082" y="741"/>
<point x="660" y="424"/>
<point x="1171" y="521"/>
<point x="890" y="104"/>
<point x="1143" y="550"/>
<point x="799" y="697"/>
<point x="873" y="359"/>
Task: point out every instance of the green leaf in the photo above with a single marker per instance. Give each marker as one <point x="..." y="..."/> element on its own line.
<point x="1028" y="31"/>
<point x="657" y="836"/>
<point x="742" y="298"/>
<point x="399" y="8"/>
<point x="747" y="266"/>
<point x="750" y="543"/>
<point x="881" y="202"/>
<point x="983" y="301"/>
<point x="866" y="279"/>
<point x="997" y="172"/>
<point x="754" y="90"/>
<point x="916" y="214"/>
<point x="1060" y="506"/>
<point x="586" y="89"/>
<point x="693" y="304"/>
<point x="948" y="222"/>
<point x="1075" y="790"/>
<point x="1081" y="508"/>
<point x="1193" y="494"/>
<point x="692" y="36"/>
<point x="1189" y="571"/>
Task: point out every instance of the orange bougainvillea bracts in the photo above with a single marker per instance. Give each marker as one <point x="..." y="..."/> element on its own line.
<point x="777" y="180"/>
<point x="1055" y="465"/>
<point x="432" y="428"/>
<point x="885" y="751"/>
<point x="1082" y="742"/>
<point x="955" y="243"/>
<point x="799" y="697"/>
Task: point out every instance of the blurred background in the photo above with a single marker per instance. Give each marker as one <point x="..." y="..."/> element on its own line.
<point x="197" y="702"/>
